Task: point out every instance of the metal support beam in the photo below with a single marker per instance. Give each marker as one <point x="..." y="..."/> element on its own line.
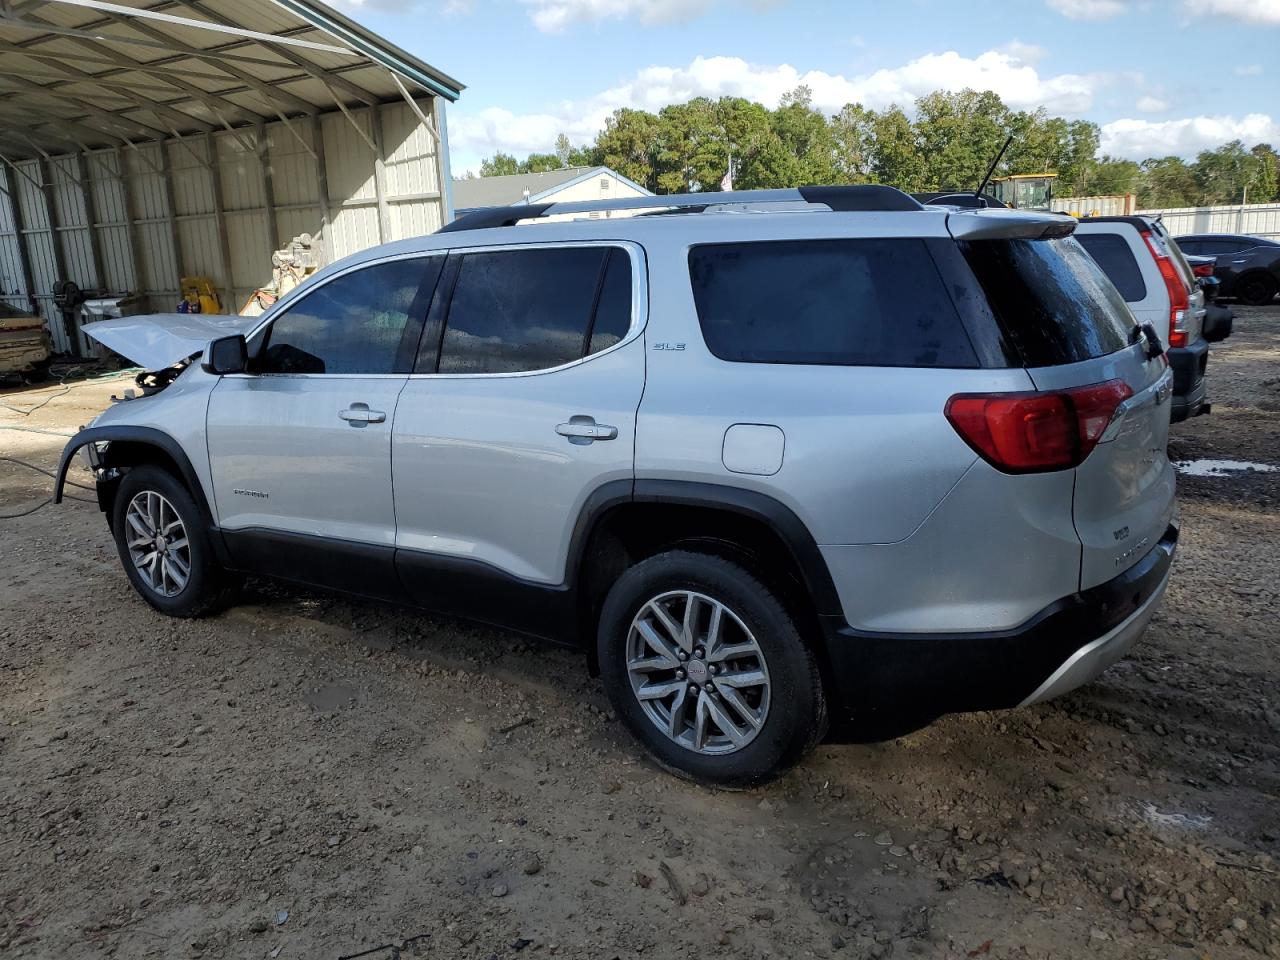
<point x="311" y="69"/>
<point x="171" y="205"/>
<point x="22" y="173"/>
<point x="220" y="217"/>
<point x="130" y="224"/>
<point x="322" y="184"/>
<point x="24" y="257"/>
<point x="55" y="244"/>
<point x="413" y="105"/>
<point x="91" y="214"/>
<point x="268" y="187"/>
<point x="380" y="177"/>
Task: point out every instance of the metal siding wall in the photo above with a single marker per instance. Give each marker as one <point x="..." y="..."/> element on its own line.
<point x="113" y="236"/>
<point x="13" y="289"/>
<point x="40" y="241"/>
<point x="73" y="224"/>
<point x="161" y="263"/>
<point x="1254" y="219"/>
<point x="412" y="196"/>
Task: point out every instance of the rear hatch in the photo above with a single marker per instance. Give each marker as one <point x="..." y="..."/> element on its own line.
<point x="1072" y="329"/>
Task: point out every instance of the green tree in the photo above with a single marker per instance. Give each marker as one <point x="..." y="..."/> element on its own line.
<point x="1167" y="182"/>
<point x="629" y="145"/>
<point x="897" y="158"/>
<point x="499" y="165"/>
<point x="959" y="135"/>
<point x="1265" y="186"/>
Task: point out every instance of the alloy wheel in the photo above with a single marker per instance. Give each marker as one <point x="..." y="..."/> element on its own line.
<point x="158" y="544"/>
<point x="698" y="672"/>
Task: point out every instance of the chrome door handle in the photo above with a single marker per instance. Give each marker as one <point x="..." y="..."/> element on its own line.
<point x="358" y="414"/>
<point x="585" y="430"/>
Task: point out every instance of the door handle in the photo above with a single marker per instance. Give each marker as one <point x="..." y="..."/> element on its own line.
<point x="582" y="429"/>
<point x="358" y="414"/>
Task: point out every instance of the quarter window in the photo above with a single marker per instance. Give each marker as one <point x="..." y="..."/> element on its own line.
<point x="838" y="302"/>
<point x="515" y="311"/>
<point x="364" y="322"/>
<point x="1113" y="254"/>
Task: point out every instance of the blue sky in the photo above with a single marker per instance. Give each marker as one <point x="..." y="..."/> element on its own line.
<point x="1159" y="76"/>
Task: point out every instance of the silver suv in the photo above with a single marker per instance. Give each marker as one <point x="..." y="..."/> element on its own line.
<point x="769" y="459"/>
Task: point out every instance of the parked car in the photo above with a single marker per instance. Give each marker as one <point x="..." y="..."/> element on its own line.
<point x="1218" y="319"/>
<point x="763" y="468"/>
<point x="1248" y="267"/>
<point x="26" y="348"/>
<point x="1157" y="283"/>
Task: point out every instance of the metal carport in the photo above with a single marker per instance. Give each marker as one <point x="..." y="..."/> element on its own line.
<point x="145" y="141"/>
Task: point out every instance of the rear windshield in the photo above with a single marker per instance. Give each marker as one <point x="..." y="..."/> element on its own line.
<point x="1112" y="253"/>
<point x="1053" y="302"/>
<point x="865" y="302"/>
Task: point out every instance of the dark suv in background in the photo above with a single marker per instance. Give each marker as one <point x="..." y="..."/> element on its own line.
<point x="1247" y="267"/>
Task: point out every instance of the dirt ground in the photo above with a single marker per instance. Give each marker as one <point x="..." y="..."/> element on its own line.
<point x="309" y="776"/>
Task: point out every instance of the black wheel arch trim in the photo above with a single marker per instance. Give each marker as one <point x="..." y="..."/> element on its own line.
<point x="149" y="436"/>
<point x="764" y="508"/>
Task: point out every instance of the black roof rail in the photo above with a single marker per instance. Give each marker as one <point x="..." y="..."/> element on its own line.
<point x="496" y="217"/>
<point x="859" y="198"/>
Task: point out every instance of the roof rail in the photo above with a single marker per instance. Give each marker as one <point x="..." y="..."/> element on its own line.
<point x="861" y="198"/>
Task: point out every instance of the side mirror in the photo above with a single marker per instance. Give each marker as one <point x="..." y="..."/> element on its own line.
<point x="226" y="355"/>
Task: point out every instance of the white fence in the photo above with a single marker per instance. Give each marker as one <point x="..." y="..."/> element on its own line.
<point x="1254" y="219"/>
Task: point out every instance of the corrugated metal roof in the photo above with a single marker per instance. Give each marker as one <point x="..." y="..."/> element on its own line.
<point x="474" y="192"/>
<point x="90" y="73"/>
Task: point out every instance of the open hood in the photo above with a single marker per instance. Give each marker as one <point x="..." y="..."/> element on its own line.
<point x="160" y="340"/>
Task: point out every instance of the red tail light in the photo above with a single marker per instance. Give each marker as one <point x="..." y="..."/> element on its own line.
<point x="1179" y="296"/>
<point x="1203" y="269"/>
<point x="1036" y="432"/>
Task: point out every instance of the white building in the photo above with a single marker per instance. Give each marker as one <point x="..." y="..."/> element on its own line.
<point x="554" y="186"/>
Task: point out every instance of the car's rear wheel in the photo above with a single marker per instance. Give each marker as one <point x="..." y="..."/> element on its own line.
<point x="164" y="545"/>
<point x="1257" y="291"/>
<point x="707" y="669"/>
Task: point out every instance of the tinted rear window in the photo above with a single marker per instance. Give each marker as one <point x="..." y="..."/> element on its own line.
<point x="1113" y="255"/>
<point x="1053" y="301"/>
<point x="840" y="302"/>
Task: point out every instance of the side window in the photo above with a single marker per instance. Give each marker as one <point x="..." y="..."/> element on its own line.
<point x="843" y="302"/>
<point x="515" y="311"/>
<point x="367" y="321"/>
<point x="1112" y="254"/>
<point x="613" y="312"/>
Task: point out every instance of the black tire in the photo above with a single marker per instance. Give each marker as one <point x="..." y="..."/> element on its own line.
<point x="1257" y="290"/>
<point x="208" y="588"/>
<point x="796" y="718"/>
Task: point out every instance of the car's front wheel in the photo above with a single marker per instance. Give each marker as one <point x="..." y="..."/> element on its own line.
<point x="707" y="669"/>
<point x="164" y="545"/>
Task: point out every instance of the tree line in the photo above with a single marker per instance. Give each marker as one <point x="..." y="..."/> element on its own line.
<point x="947" y="143"/>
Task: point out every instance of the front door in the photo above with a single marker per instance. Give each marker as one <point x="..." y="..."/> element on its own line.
<point x="300" y="447"/>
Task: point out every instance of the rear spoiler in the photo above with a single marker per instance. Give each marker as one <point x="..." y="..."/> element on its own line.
<point x="1009" y="225"/>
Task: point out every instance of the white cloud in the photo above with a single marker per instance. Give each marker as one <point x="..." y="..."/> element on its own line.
<point x="1152" y="105"/>
<point x="1248" y="70"/>
<point x="1266" y="12"/>
<point x="1139" y="139"/>
<point x="553" y="16"/>
<point x="1015" y="80"/>
<point x="1089" y="9"/>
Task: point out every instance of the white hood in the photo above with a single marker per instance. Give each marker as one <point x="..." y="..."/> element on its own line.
<point x="160" y="340"/>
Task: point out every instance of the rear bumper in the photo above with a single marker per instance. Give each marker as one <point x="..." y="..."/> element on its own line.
<point x="1188" y="364"/>
<point x="1067" y="644"/>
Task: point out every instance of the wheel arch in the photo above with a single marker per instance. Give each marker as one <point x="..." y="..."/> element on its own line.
<point x="131" y="446"/>
<point x="748" y="527"/>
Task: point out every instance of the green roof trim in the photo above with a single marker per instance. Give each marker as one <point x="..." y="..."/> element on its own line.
<point x="374" y="47"/>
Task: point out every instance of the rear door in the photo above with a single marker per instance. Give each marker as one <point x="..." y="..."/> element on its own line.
<point x="523" y="405"/>
<point x="1074" y="329"/>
